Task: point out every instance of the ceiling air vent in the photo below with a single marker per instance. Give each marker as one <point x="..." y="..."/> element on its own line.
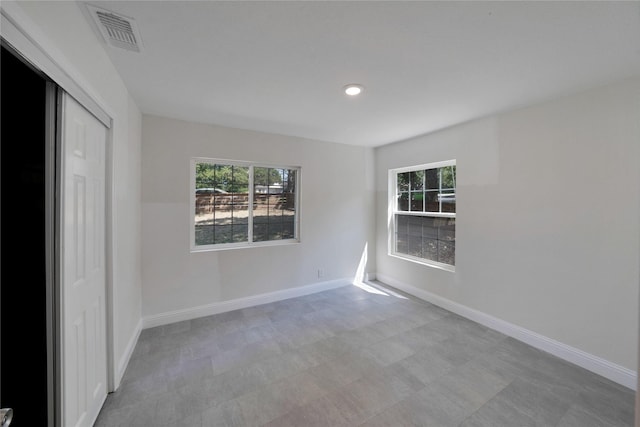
<point x="118" y="30"/>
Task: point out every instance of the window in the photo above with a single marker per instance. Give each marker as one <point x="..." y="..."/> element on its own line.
<point x="239" y="204"/>
<point x="423" y="205"/>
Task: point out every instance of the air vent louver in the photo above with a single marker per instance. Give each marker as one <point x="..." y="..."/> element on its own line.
<point x="117" y="30"/>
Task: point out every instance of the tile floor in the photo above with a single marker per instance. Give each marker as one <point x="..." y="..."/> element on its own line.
<point x="348" y="357"/>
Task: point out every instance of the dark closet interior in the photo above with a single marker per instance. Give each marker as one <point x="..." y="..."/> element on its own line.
<point x="23" y="282"/>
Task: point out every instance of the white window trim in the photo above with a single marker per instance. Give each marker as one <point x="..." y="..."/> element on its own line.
<point x="249" y="243"/>
<point x="392" y="211"/>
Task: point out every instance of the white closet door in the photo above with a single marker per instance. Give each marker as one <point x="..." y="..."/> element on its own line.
<point x="83" y="274"/>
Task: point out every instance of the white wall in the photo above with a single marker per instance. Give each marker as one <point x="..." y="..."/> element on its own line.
<point x="62" y="31"/>
<point x="548" y="218"/>
<point x="336" y="216"/>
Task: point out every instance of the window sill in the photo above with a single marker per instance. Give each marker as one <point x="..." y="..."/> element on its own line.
<point x="231" y="246"/>
<point x="422" y="261"/>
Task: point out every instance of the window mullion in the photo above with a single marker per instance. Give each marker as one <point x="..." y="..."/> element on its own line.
<point x="409" y="192"/>
<point x="424" y="191"/>
<point x="296" y="188"/>
<point x="233" y="198"/>
<point x="439" y="195"/>
<point x="250" y="209"/>
<point x="396" y="198"/>
<point x="453" y="176"/>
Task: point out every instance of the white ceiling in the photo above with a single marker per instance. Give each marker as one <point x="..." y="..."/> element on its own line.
<point x="279" y="66"/>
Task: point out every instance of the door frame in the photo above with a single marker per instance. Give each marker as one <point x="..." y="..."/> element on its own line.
<point x="27" y="40"/>
<point x="52" y="228"/>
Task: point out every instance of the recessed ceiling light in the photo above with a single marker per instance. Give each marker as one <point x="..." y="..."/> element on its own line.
<point x="353" y="89"/>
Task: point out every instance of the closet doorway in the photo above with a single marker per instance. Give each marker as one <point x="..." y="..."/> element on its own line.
<point x="27" y="319"/>
<point x="53" y="340"/>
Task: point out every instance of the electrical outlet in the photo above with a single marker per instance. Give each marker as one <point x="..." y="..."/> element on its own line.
<point x="320" y="273"/>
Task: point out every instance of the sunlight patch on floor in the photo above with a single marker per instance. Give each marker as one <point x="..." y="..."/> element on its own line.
<point x="361" y="280"/>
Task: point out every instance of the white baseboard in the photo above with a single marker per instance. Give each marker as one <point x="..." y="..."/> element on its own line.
<point x="605" y="368"/>
<point x="235" y="304"/>
<point x="128" y="352"/>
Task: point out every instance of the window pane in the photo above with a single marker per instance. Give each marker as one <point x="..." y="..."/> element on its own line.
<point x="431" y="203"/>
<point x="240" y="233"/>
<point x="275" y="231"/>
<point x="222" y="209"/>
<point x="446" y="232"/>
<point x="288" y="228"/>
<point x="289" y="180"/>
<point x="446" y="229"/>
<point x="204" y="234"/>
<point x="222" y="176"/>
<point x="403" y="202"/>
<point x="260" y="232"/>
<point x="426" y="237"/>
<point x="260" y="208"/>
<point x="448" y="177"/>
<point x="414" y="226"/>
<point x="234" y="204"/>
<point x="402" y="223"/>
<point x="238" y="181"/>
<point x="448" y="200"/>
<point x="274" y="204"/>
<point x="203" y="218"/>
<point x="428" y="230"/>
<point x="415" y="246"/>
<point x="275" y="225"/>
<point x="260" y="178"/>
<point x="288" y="201"/>
<point x="431" y="179"/>
<point x="269" y="180"/>
<point x="221" y="203"/>
<point x="402" y="236"/>
<point x="204" y="204"/>
<point x="240" y="218"/>
<point x="430" y="250"/>
<point x="275" y="208"/>
<point x="223" y="234"/>
<point x="276" y="179"/>
<point x="402" y="244"/>
<point x="417" y="180"/>
<point x="446" y="252"/>
<point x="205" y="173"/>
<point x="417" y="202"/>
<point x="240" y="202"/>
<point x="403" y="182"/>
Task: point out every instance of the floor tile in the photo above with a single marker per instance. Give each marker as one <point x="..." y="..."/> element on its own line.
<point x="347" y="357"/>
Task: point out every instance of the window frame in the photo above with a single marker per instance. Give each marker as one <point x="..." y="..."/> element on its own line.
<point x="393" y="211"/>
<point x="249" y="243"/>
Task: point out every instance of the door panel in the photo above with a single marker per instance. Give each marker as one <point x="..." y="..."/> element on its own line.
<point x="84" y="374"/>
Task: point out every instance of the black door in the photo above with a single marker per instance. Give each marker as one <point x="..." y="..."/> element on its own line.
<point x="26" y="285"/>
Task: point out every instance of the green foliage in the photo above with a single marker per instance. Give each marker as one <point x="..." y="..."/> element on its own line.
<point x="403" y="181"/>
<point x="416" y="179"/>
<point x="267" y="176"/>
<point x="235" y="179"/>
<point x="448" y="176"/>
<point x="229" y="178"/>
